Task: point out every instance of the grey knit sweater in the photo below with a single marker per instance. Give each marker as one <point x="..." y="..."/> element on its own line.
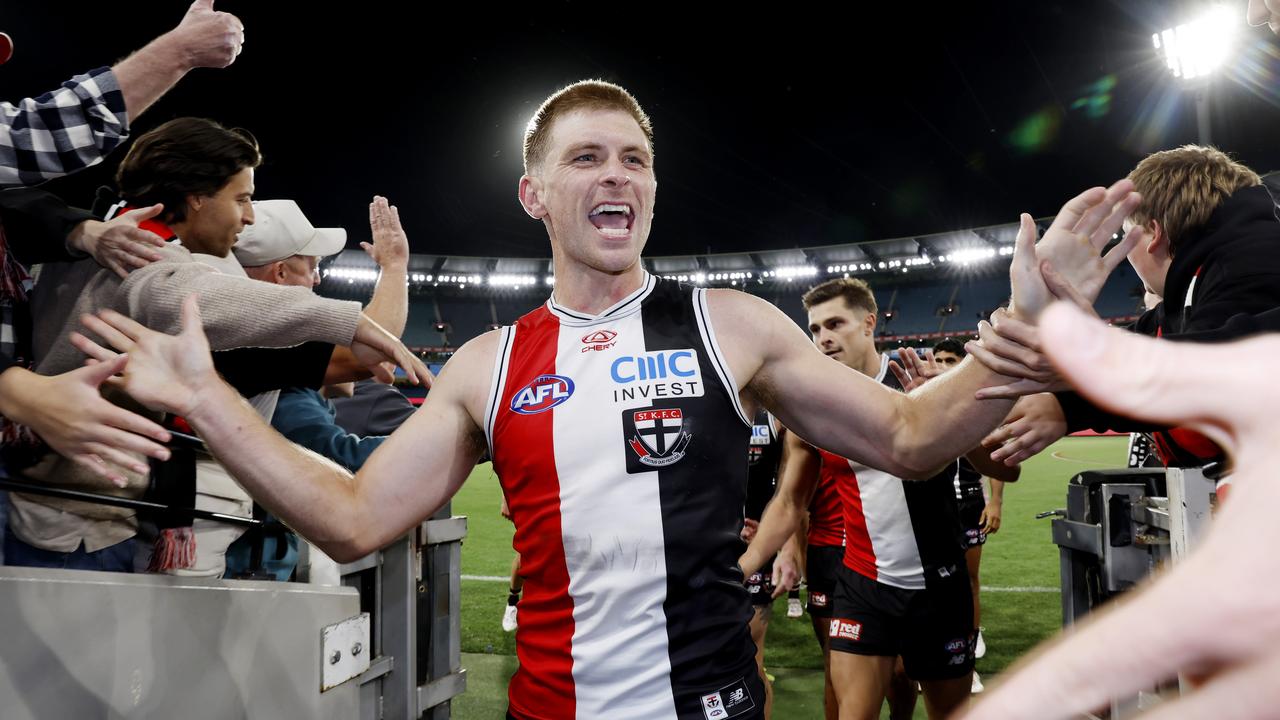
<point x="237" y="312"/>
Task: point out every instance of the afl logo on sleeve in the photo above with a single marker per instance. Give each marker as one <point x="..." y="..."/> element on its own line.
<point x="657" y="437"/>
<point x="544" y="393"/>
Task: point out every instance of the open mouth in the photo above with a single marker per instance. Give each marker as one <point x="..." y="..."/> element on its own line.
<point x="611" y="219"/>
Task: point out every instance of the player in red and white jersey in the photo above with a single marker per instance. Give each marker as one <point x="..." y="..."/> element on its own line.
<point x="595" y="448"/>
<point x="900" y="585"/>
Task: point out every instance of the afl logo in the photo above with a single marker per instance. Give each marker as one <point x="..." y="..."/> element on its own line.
<point x="599" y="340"/>
<point x="544" y="393"/>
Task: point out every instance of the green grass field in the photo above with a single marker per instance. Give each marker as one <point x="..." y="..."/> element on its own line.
<point x="1019" y="568"/>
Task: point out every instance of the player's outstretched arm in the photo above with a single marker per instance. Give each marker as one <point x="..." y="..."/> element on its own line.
<point x="844" y="411"/>
<point x="419" y="467"/>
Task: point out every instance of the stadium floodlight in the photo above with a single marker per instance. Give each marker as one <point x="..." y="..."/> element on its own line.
<point x="968" y="256"/>
<point x="515" y="281"/>
<point x="792" y="272"/>
<point x="351" y="274"/>
<point x="1197" y="48"/>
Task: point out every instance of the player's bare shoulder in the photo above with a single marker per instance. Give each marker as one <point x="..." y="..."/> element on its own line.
<point x="465" y="377"/>
<point x="748" y="329"/>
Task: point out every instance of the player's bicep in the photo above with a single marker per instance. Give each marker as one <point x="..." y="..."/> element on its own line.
<point x="832" y="406"/>
<point x="426" y="460"/>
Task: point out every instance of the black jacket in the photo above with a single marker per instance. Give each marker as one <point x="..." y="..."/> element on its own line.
<point x="1223" y="284"/>
<point x="36" y="226"/>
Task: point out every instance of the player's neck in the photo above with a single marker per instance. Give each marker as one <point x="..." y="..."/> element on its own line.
<point x="592" y="291"/>
<point x="870" y="365"/>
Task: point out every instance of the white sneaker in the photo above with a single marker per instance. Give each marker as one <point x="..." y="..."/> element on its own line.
<point x="976" y="687"/>
<point x="980" y="648"/>
<point x="794" y="608"/>
<point x="509" y="619"/>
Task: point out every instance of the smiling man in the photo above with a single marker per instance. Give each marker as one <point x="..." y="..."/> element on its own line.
<point x="621" y="458"/>
<point x="202" y="175"/>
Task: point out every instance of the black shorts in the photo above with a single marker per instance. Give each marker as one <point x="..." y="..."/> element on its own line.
<point x="821" y="565"/>
<point x="741" y="699"/>
<point x="971" y="508"/>
<point x="760" y="586"/>
<point x="932" y="629"/>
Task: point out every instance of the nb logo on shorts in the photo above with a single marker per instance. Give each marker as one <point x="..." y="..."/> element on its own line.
<point x="845" y="629"/>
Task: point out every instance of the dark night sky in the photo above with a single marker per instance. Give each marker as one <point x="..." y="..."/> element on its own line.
<point x="788" y="129"/>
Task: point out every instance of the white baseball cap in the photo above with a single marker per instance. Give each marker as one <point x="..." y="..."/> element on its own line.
<point x="280" y="231"/>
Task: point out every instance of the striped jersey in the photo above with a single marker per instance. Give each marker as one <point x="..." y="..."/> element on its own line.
<point x="826" y="516"/>
<point x="763" y="455"/>
<point x="898" y="532"/>
<point x="619" y="441"/>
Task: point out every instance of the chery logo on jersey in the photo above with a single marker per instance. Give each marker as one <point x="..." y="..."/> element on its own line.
<point x="657" y="437"/>
<point x="656" y="375"/>
<point x="599" y="340"/>
<point x="544" y="393"/>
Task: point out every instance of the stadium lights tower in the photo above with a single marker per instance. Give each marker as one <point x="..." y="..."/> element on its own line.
<point x="1193" y="50"/>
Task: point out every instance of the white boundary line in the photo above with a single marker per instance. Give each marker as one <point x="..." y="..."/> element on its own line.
<point x="985" y="588"/>
<point x="1057" y="454"/>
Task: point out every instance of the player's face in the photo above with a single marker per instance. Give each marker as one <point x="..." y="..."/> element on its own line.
<point x="596" y="190"/>
<point x="841" y="332"/>
<point x="946" y="359"/>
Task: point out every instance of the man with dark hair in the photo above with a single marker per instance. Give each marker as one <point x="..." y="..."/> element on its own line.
<point x="621" y="397"/>
<point x="948" y="352"/>
<point x="46" y="137"/>
<point x="240" y="312"/>
<point x="900" y="586"/>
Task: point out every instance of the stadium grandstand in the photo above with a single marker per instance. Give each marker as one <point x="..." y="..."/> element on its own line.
<point x="930" y="286"/>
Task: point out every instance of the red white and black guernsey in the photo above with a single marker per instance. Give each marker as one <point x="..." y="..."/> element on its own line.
<point x="899" y="532"/>
<point x="826" y="516"/>
<point x="619" y="442"/>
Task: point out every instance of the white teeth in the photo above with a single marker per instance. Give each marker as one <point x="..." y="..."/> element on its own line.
<point x="602" y="208"/>
<point x="615" y="232"/>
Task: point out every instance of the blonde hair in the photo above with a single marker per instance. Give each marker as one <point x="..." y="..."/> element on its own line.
<point x="1182" y="187"/>
<point x="582" y="95"/>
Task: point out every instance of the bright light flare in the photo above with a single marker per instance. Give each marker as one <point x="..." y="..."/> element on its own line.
<point x="1197" y="48"/>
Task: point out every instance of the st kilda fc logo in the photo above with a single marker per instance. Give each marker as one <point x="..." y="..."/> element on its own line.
<point x="657" y="437"/>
